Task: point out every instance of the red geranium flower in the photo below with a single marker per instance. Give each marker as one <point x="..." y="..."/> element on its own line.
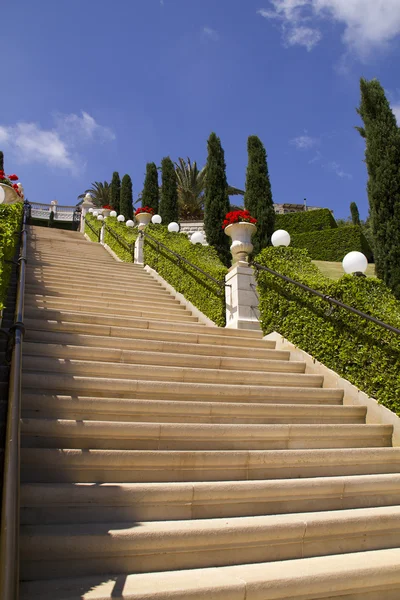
<point x="13" y="177"/>
<point x="15" y="186"/>
<point x="2" y="175"/>
<point x="144" y="209"/>
<point x="238" y="216"/>
<point x="108" y="207"/>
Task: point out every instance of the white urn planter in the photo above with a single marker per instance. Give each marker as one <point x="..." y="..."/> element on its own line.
<point x="241" y="234"/>
<point x="106" y="212"/>
<point x="143" y="219"/>
<point x="10" y="195"/>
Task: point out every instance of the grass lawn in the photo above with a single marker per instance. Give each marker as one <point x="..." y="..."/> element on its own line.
<point x="334" y="270"/>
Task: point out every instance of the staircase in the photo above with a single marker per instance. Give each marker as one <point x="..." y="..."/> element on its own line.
<point x="164" y="459"/>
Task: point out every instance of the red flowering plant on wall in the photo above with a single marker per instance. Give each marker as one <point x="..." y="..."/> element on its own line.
<point x="107" y="207"/>
<point x="144" y="209"/>
<point x="238" y="216"/>
<point x="8" y="179"/>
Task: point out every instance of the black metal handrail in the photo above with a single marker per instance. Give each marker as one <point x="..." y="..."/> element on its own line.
<point x="92" y="229"/>
<point x="328" y="298"/>
<point x="129" y="247"/>
<point x="9" y="546"/>
<point x="220" y="284"/>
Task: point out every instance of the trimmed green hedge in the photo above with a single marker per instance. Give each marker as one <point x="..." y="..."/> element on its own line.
<point x="333" y="244"/>
<point x="123" y="248"/>
<point x="196" y="288"/>
<point x="361" y="352"/>
<point x="304" y="222"/>
<point x="10" y="224"/>
<point x="96" y="226"/>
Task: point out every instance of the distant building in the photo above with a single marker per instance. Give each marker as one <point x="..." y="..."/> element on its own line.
<point x="283" y="209"/>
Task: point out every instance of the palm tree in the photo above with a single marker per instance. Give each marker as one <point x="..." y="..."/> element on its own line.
<point x="191" y="184"/>
<point x="100" y="192"/>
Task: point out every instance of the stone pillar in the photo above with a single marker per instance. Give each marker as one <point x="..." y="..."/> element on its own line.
<point x="241" y="298"/>
<point x="86" y="204"/>
<point x="139" y="252"/>
<point x="102" y="232"/>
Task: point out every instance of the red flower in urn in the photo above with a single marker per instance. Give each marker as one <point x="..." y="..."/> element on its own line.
<point x="238" y="216"/>
<point x="144" y="209"/>
<point x="13" y="177"/>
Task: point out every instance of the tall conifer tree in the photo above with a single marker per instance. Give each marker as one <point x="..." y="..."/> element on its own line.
<point x="355" y="215"/>
<point x="169" y="192"/>
<point x="115" y="191"/>
<point x="126" y="198"/>
<point x="150" y="195"/>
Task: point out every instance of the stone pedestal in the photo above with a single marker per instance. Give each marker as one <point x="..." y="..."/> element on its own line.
<point x="139" y="252"/>
<point x="241" y="298"/>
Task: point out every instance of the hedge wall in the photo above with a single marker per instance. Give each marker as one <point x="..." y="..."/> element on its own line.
<point x="361" y="352"/>
<point x="95" y="224"/>
<point x="123" y="248"/>
<point x="196" y="288"/>
<point x="333" y="244"/>
<point x="304" y="222"/>
<point x="10" y="223"/>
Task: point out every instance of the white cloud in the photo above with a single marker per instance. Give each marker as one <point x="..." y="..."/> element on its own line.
<point x="211" y="33"/>
<point x="337" y="169"/>
<point x="303" y="36"/>
<point x="368" y="24"/>
<point x="56" y="147"/>
<point x="304" y="142"/>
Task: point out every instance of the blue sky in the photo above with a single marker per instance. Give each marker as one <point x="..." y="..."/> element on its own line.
<point x="90" y="86"/>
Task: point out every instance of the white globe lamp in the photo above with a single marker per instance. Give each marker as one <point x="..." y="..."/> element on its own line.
<point x="156" y="219"/>
<point x="130" y="223"/>
<point x="2" y="195"/>
<point x="197" y="237"/>
<point x="280" y="238"/>
<point x="355" y="262"/>
<point x="113" y="213"/>
<point x="100" y="218"/>
<point x="91" y="210"/>
<point x="121" y="218"/>
<point x="173" y="227"/>
<point x="95" y="213"/>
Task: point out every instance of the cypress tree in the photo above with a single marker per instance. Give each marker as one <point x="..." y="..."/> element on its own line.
<point x="126" y="198"/>
<point x="258" y="195"/>
<point x="115" y="191"/>
<point x="150" y="195"/>
<point x="382" y="156"/>
<point x="216" y="199"/>
<point x="169" y="192"/>
<point x="355" y="215"/>
<point x="1" y="161"/>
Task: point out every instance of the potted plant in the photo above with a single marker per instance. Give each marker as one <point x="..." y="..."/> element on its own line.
<point x="12" y="192"/>
<point x="240" y="226"/>
<point x="143" y="215"/>
<point x="106" y="210"/>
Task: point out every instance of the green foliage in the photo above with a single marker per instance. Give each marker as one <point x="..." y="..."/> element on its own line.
<point x="355" y="215"/>
<point x="126" y="198"/>
<point x="332" y="244"/>
<point x="196" y="288"/>
<point x="100" y="192"/>
<point x="191" y="183"/>
<point x="216" y="201"/>
<point x="362" y="352"/>
<point x="10" y="224"/>
<point x="151" y="192"/>
<point x="115" y="191"/>
<point x="382" y="155"/>
<point x="51" y="219"/>
<point x="1" y="161"/>
<point x="96" y="225"/>
<point x="304" y="222"/>
<point x="258" y="195"/>
<point x="120" y="238"/>
<point x="169" y="192"/>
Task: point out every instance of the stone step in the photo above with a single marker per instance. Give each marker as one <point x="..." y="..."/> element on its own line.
<point x="370" y="575"/>
<point x="167" y="411"/>
<point x="60" y="383"/>
<point x="154" y="345"/>
<point x="122" y="297"/>
<point x="114" y="272"/>
<point x="142" y="547"/>
<point x="132" y="502"/>
<point x="129" y="288"/>
<point x="147" y="357"/>
<point x="160" y="372"/>
<point x="152" y="329"/>
<point x="114" y="305"/>
<point x="118" y="435"/>
<point x="104" y="314"/>
<point x="46" y="465"/>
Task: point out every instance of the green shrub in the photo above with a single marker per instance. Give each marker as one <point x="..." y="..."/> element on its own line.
<point x="304" y="222"/>
<point x="120" y="238"/>
<point x="96" y="225"/>
<point x="196" y="288"/>
<point x="10" y="224"/>
<point x="363" y="353"/>
<point x="333" y="244"/>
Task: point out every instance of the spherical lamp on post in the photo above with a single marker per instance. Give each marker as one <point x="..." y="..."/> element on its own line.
<point x="120" y="218"/>
<point x="130" y="223"/>
<point x="91" y="210"/>
<point x="173" y="227"/>
<point x="95" y="213"/>
<point x="355" y="263"/>
<point x="280" y="238"/>
<point x="156" y="220"/>
<point x="113" y="213"/>
<point x="100" y="218"/>
<point x="197" y="237"/>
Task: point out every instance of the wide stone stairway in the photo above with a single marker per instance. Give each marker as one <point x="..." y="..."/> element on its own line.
<point x="164" y="459"/>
